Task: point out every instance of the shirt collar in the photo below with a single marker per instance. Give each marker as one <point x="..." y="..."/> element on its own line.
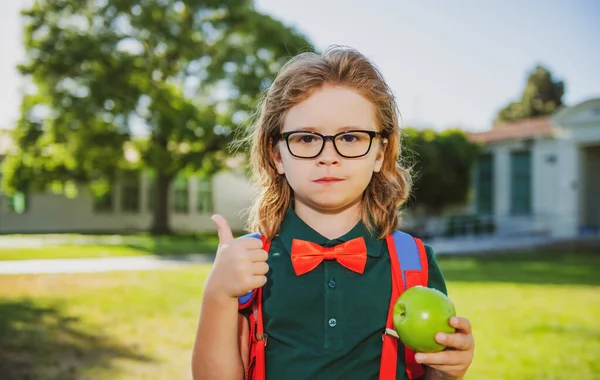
<point x="293" y="227"/>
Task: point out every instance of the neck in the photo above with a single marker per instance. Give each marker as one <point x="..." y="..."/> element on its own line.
<point x="332" y="225"/>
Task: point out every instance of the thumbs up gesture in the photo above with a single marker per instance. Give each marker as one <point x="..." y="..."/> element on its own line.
<point x="240" y="264"/>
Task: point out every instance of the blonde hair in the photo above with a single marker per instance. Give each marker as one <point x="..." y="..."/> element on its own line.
<point x="297" y="80"/>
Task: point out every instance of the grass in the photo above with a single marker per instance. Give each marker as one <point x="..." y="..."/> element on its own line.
<point x="87" y="246"/>
<point x="535" y="316"/>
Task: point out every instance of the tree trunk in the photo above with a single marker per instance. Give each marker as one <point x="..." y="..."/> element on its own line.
<point x="160" y="224"/>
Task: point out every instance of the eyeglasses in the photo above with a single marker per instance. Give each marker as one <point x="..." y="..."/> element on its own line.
<point x="348" y="144"/>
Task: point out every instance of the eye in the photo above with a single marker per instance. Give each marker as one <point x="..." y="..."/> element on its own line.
<point x="350" y="137"/>
<point x="303" y="138"/>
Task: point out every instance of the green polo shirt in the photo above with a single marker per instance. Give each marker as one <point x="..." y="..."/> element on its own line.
<point x="328" y="323"/>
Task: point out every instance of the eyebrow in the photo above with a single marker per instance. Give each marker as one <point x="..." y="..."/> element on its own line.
<point x="345" y="128"/>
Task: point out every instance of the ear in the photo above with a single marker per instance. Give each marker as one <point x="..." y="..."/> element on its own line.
<point x="380" y="156"/>
<point x="276" y="156"/>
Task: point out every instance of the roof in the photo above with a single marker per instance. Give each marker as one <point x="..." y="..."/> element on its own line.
<point x="524" y="129"/>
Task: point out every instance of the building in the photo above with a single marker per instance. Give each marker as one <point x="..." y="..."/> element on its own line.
<point x="542" y="176"/>
<point x="128" y="207"/>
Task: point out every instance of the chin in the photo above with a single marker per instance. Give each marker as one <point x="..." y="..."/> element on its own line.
<point x="327" y="204"/>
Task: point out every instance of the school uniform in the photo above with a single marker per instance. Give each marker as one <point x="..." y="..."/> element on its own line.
<point x="328" y="322"/>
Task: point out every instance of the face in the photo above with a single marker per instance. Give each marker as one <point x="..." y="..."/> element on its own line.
<point x="329" y="182"/>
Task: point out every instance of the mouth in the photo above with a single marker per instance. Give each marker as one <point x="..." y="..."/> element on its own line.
<point x="327" y="180"/>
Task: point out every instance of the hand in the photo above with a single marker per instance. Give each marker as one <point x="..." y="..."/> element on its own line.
<point x="453" y="362"/>
<point x="240" y="264"/>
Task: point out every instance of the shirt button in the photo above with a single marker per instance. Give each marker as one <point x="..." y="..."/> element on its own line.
<point x="331" y="284"/>
<point x="332" y="322"/>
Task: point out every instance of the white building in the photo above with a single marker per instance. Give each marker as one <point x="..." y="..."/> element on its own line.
<point x="542" y="176"/>
<point x="129" y="205"/>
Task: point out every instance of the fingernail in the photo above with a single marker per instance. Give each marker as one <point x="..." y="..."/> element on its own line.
<point x="441" y="337"/>
<point x="419" y="358"/>
<point x="454" y="320"/>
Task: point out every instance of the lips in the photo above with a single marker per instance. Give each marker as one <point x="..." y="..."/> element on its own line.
<point x="328" y="180"/>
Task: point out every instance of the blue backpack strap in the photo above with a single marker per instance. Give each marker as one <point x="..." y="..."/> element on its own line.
<point x="246" y="300"/>
<point x="410" y="258"/>
<point x="407" y="270"/>
<point x="412" y="263"/>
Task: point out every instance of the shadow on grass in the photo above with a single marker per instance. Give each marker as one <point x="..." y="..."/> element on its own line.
<point x="576" y="267"/>
<point x="179" y="244"/>
<point x="170" y="245"/>
<point x="39" y="343"/>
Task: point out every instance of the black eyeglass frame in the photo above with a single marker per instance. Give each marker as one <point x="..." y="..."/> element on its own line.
<point x="286" y="135"/>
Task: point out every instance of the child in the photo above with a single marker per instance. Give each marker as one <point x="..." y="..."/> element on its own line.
<point x="325" y="154"/>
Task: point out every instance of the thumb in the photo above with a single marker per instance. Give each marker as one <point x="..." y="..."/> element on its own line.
<point x="223" y="229"/>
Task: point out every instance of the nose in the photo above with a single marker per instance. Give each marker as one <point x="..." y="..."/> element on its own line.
<point x="329" y="156"/>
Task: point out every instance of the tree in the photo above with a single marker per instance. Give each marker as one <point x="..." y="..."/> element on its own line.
<point x="166" y="78"/>
<point x="442" y="165"/>
<point x="542" y="96"/>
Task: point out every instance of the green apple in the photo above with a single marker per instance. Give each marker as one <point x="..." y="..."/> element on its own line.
<point x="419" y="314"/>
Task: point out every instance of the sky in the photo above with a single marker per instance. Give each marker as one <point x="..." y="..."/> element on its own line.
<point x="449" y="63"/>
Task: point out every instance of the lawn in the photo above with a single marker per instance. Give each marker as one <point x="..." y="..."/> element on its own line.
<point x="80" y="246"/>
<point x="535" y="316"/>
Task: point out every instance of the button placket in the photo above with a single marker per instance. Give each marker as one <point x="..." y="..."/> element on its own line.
<point x="333" y="273"/>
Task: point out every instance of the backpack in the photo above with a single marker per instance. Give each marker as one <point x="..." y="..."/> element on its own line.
<point x="409" y="269"/>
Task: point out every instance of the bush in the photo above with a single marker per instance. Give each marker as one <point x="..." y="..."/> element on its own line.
<point x="461" y="225"/>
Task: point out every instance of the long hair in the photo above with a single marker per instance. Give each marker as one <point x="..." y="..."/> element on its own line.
<point x="297" y="80"/>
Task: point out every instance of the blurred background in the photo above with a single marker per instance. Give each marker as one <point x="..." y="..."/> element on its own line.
<point x="117" y="119"/>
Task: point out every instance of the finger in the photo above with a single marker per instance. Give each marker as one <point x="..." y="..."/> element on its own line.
<point x="461" y="324"/>
<point x="449" y="358"/>
<point x="251" y="243"/>
<point x="258" y="281"/>
<point x="260" y="268"/>
<point x="223" y="229"/>
<point x="455" y="370"/>
<point x="258" y="255"/>
<point x="457" y="341"/>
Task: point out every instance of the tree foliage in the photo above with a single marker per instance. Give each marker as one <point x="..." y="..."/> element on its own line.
<point x="442" y="164"/>
<point x="166" y="79"/>
<point x="542" y="96"/>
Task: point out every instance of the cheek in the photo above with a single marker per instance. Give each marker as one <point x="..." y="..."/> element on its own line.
<point x="295" y="170"/>
<point x="287" y="162"/>
<point x="366" y="170"/>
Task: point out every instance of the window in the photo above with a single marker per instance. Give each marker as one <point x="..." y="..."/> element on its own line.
<point x="520" y="184"/>
<point x="204" y="197"/>
<point x="18" y="203"/>
<point x="130" y="191"/>
<point x="484" y="187"/>
<point x="104" y="202"/>
<point x="151" y="191"/>
<point x="181" y="194"/>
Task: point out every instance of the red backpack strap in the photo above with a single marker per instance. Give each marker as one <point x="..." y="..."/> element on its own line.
<point x="256" y="367"/>
<point x="258" y="338"/>
<point x="409" y="268"/>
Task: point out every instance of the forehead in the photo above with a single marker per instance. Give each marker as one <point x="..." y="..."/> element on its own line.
<point x="331" y="109"/>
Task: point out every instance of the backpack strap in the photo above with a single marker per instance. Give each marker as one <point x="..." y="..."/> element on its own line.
<point x="409" y="268"/>
<point x="258" y="338"/>
<point x="256" y="366"/>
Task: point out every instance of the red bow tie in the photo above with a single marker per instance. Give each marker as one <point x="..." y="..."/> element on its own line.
<point x="306" y="256"/>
